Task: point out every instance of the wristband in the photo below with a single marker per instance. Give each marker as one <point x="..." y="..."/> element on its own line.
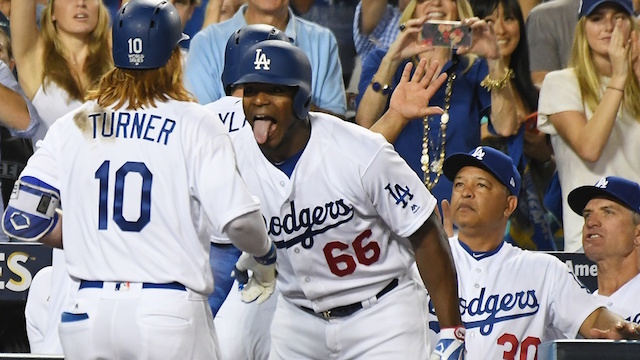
<point x="379" y="88"/>
<point x="614" y="88"/>
<point x="269" y="258"/>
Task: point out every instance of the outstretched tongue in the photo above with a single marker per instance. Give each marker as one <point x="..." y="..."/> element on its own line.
<point x="261" y="130"/>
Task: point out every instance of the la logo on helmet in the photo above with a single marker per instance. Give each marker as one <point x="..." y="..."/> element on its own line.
<point x="261" y="61"/>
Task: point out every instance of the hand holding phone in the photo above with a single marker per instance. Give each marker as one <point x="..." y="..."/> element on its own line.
<point x="443" y="33"/>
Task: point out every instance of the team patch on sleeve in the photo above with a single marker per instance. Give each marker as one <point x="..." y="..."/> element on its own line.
<point x="402" y="196"/>
<point x="31" y="212"/>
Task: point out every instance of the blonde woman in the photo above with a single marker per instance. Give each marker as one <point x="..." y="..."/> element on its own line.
<point x="591" y="109"/>
<point x="59" y="62"/>
<point x="424" y="143"/>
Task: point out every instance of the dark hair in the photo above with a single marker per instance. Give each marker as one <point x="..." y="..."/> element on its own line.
<point x="519" y="62"/>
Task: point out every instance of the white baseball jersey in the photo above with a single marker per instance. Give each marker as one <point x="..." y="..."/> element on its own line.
<point x="141" y="191"/>
<point x="509" y="296"/>
<point x="624" y="301"/>
<point x="341" y="220"/>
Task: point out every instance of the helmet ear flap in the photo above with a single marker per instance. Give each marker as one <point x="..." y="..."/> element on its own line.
<point x="145" y="33"/>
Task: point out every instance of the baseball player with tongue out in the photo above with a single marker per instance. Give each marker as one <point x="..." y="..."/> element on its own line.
<point x="349" y="219"/>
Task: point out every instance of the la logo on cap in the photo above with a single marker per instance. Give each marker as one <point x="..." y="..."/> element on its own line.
<point x="602" y="183"/>
<point x="478" y="153"/>
<point x="262" y="61"/>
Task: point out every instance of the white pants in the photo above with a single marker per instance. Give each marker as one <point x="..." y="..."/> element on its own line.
<point x="130" y="322"/>
<point x="393" y="328"/>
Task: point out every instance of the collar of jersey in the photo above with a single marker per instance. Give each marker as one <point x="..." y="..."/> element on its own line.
<point x="479" y="255"/>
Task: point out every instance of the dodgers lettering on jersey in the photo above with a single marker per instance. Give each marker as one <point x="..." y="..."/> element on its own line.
<point x="306" y="218"/>
<point x="486" y="310"/>
<point x="133" y="126"/>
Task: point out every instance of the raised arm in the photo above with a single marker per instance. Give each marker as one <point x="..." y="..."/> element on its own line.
<point x="484" y="44"/>
<point x="373" y="103"/>
<point x="410" y="99"/>
<point x="13" y="109"/>
<point x="372" y="12"/>
<point x="27" y="45"/>
<point x="588" y="138"/>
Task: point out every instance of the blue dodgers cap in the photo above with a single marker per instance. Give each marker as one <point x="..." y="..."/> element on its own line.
<point x="489" y="159"/>
<point x="587" y="7"/>
<point x="615" y="188"/>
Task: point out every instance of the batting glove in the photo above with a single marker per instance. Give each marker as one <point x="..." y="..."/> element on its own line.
<point x="262" y="282"/>
<point x="451" y="345"/>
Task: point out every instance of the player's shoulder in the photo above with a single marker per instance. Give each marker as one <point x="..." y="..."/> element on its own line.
<point x="225" y="104"/>
<point x="538" y="260"/>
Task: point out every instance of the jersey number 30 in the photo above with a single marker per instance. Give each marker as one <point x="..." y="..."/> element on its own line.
<point x="102" y="174"/>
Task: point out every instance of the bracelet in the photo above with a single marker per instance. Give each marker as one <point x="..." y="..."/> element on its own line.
<point x="379" y="88"/>
<point x="491" y="84"/>
<point x="614" y="88"/>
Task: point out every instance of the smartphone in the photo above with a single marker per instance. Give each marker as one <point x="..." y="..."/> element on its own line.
<point x="531" y="122"/>
<point x="446" y="34"/>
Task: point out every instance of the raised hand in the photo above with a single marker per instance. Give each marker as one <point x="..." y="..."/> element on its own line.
<point x="407" y="43"/>
<point x="412" y="95"/>
<point x="619" y="52"/>
<point x="483" y="39"/>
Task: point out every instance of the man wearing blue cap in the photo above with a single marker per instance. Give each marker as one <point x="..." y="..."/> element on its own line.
<point x="505" y="306"/>
<point x="611" y="238"/>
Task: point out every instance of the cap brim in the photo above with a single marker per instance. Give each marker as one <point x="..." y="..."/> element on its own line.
<point x="579" y="197"/>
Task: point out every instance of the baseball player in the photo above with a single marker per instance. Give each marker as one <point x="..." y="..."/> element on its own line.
<point x="509" y="296"/>
<point x="348" y="216"/>
<point x="144" y="176"/>
<point x="243" y="329"/>
<point x="611" y="239"/>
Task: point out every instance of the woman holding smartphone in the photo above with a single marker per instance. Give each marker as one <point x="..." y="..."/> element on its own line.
<point x="476" y="85"/>
<point x="529" y="148"/>
<point x="591" y="108"/>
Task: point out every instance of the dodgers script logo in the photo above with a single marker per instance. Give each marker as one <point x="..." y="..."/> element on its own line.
<point x="262" y="61"/>
<point x="336" y="212"/>
<point x="485" y="311"/>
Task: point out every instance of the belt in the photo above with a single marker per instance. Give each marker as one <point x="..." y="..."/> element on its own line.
<point x="99" y="284"/>
<point x="347" y="310"/>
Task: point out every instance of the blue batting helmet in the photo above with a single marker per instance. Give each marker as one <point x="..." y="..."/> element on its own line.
<point x="145" y="33"/>
<point x="279" y="62"/>
<point x="238" y="43"/>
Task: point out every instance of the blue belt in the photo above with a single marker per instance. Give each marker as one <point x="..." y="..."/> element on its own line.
<point x="99" y="284"/>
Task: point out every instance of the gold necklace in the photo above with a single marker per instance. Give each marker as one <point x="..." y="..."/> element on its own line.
<point x="433" y="169"/>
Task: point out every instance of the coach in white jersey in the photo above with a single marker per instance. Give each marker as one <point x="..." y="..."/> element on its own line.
<point x="611" y="239"/>
<point x="509" y="296"/>
<point x="145" y="176"/>
<point x="348" y="217"/>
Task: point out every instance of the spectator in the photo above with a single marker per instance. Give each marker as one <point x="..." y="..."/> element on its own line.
<point x="507" y="310"/>
<point x="591" y="108"/>
<point x="611" y="239"/>
<point x="206" y="57"/>
<point x="550" y="28"/>
<point x="337" y="16"/>
<point x="220" y="10"/>
<point x="477" y="86"/>
<point x="56" y="67"/>
<point x="375" y="25"/>
<point x="185" y="9"/>
<point x="529" y="149"/>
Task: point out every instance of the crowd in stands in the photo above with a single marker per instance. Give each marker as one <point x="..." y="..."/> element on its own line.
<point x="552" y="84"/>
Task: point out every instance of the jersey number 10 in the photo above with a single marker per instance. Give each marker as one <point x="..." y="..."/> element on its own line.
<point x="102" y="174"/>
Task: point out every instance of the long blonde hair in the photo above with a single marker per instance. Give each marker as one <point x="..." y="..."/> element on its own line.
<point x="56" y="66"/>
<point x="589" y="80"/>
<point x="464" y="12"/>
<point x="137" y="88"/>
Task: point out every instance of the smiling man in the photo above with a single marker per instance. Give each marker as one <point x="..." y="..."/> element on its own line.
<point x="348" y="216"/>
<point x="504" y="306"/>
<point x="611" y="239"/>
